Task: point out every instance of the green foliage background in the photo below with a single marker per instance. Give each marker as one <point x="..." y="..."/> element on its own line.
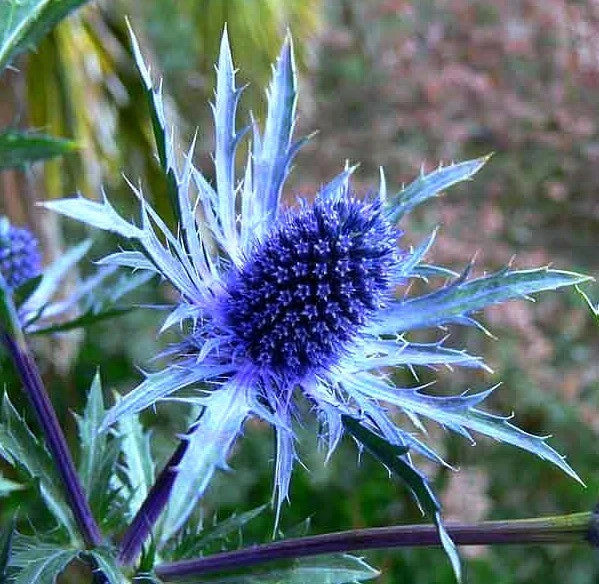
<point x="391" y="83"/>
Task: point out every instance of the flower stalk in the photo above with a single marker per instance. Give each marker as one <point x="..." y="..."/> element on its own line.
<point x="156" y="500"/>
<point x="574" y="528"/>
<point x="13" y="339"/>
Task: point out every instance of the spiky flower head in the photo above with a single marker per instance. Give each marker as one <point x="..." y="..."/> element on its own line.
<point x="302" y="295"/>
<point x="20" y="258"/>
<point x="306" y="303"/>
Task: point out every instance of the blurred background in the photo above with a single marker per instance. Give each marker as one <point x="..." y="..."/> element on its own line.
<point x="394" y="83"/>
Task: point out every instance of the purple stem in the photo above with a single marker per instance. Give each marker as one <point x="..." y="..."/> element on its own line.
<point x="144" y="520"/>
<point x="11" y="336"/>
<point x="578" y="527"/>
<point x="55" y="440"/>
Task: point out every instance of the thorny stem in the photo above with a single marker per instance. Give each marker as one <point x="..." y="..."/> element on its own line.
<point x="575" y="528"/>
<point x="11" y="336"/>
<point x="144" y="520"/>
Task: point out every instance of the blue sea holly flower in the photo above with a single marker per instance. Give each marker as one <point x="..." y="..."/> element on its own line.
<point x="279" y="304"/>
<point x="304" y="293"/>
<point x="20" y="257"/>
<point x="35" y="287"/>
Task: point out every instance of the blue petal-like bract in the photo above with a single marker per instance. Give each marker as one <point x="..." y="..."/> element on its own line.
<point x="272" y="151"/>
<point x="455" y="302"/>
<point x="430" y="185"/>
<point x="227" y="97"/>
<point x="338" y="188"/>
<point x="209" y="441"/>
<point x="458" y="412"/>
<point x="285" y="457"/>
<point x="374" y="354"/>
<point x="159" y="385"/>
<point x="51" y="279"/>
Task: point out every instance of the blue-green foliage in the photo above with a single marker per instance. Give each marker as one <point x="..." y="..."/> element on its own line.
<point x="21" y="448"/>
<point x="34" y="560"/>
<point x="95" y="298"/>
<point x="427" y="186"/>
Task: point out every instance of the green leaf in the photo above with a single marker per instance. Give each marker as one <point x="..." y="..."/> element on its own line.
<point x="21" y="448"/>
<point x="301" y="529"/>
<point x="147" y="561"/>
<point x="232" y="524"/>
<point x="20" y="148"/>
<point x="391" y="456"/>
<point x="38" y="561"/>
<point x="430" y="185"/>
<point x="6" y="536"/>
<point x="193" y="544"/>
<point x="25" y="290"/>
<point x="7" y="486"/>
<point x="106" y="497"/>
<point x="107" y="564"/>
<point x="93" y="444"/>
<point x="99" y="456"/>
<point x="139" y="466"/>
<point x="329" y="569"/>
<point x="87" y="319"/>
<point x="24" y="22"/>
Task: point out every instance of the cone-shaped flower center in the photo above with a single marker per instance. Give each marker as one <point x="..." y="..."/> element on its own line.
<point x="20" y="258"/>
<point x="308" y="288"/>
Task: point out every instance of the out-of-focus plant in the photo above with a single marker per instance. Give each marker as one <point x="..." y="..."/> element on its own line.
<point x="80" y="82"/>
<point x="22" y="25"/>
<point x="430" y="79"/>
<point x="75" y="85"/>
<point x="25" y="22"/>
<point x="26" y="303"/>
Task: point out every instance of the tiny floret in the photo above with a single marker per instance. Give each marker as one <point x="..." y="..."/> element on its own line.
<point x="20" y="258"/>
<point x="308" y="288"/>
